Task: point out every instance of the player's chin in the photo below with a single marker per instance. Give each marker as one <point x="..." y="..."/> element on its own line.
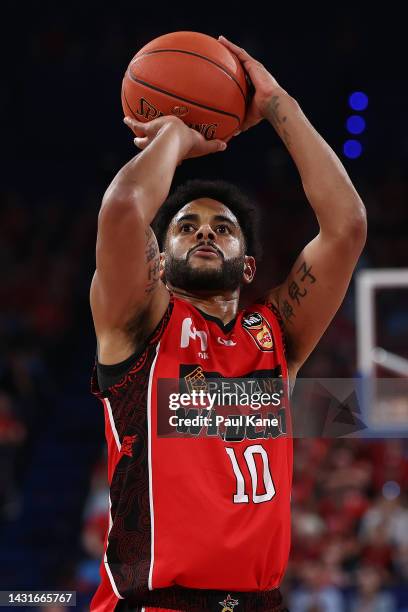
<point x="197" y="261"/>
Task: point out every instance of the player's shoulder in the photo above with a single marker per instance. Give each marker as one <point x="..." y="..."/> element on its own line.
<point x="268" y="303"/>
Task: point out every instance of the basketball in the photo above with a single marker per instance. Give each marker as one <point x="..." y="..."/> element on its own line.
<point x="189" y="75"/>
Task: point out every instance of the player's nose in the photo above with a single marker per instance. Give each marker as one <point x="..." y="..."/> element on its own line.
<point x="205" y="233"/>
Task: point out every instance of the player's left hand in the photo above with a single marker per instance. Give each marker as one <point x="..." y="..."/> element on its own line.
<point x="264" y="83"/>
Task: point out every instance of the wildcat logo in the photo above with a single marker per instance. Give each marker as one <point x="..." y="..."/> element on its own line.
<point x="259" y="329"/>
<point x="127" y="445"/>
<point x="229" y="604"/>
<point x="148" y="110"/>
<point x="208" y="130"/>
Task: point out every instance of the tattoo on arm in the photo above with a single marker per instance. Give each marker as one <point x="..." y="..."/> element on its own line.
<point x="298" y="288"/>
<point x="287" y="311"/>
<point x="278" y="121"/>
<point x="306" y="273"/>
<point x="152" y="258"/>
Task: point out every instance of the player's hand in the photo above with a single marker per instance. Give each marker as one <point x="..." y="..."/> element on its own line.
<point x="194" y="144"/>
<point x="264" y="83"/>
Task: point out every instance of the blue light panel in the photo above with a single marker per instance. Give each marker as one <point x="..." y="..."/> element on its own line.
<point x="356" y="124"/>
<point x="352" y="149"/>
<point x="358" y="101"/>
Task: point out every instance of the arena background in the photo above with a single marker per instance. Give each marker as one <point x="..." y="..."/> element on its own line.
<point x="62" y="141"/>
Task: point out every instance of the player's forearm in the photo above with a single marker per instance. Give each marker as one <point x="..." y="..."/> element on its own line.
<point x="327" y="185"/>
<point x="145" y="181"/>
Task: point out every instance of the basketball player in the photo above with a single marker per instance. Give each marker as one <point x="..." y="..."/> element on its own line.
<point x="204" y="524"/>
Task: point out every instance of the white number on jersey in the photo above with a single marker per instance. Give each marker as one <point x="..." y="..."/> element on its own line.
<point x="240" y="497"/>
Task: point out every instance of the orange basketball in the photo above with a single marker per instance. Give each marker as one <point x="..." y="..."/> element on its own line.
<point x="189" y="75"/>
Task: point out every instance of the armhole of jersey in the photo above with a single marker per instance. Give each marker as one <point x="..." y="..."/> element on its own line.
<point x="110" y="375"/>
<point x="275" y="312"/>
<point x="271" y="306"/>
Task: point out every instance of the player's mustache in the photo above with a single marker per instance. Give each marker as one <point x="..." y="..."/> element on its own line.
<point x="204" y="244"/>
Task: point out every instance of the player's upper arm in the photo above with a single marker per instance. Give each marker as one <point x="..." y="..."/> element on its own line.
<point x="126" y="282"/>
<point x="314" y="289"/>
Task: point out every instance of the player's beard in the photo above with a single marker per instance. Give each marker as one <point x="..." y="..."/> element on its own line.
<point x="226" y="277"/>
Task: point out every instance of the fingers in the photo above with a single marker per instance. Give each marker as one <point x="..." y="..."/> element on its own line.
<point x="205" y="147"/>
<point x="141" y="142"/>
<point x="215" y="146"/>
<point x="241" y="54"/>
<point x="145" y="133"/>
<point x="137" y="127"/>
<point x="130" y="122"/>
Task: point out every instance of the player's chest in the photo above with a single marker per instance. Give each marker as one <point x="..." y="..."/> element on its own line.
<point x="229" y="351"/>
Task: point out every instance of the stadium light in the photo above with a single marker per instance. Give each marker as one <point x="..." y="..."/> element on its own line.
<point x="352" y="149"/>
<point x="358" y="101"/>
<point x="355" y="124"/>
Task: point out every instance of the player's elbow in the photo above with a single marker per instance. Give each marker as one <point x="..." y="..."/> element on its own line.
<point x="116" y="197"/>
<point x="117" y="203"/>
<point x="349" y="235"/>
<point x="353" y="228"/>
<point x="357" y="227"/>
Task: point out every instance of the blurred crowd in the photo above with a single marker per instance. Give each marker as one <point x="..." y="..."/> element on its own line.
<point x="350" y="526"/>
<point x="350" y="505"/>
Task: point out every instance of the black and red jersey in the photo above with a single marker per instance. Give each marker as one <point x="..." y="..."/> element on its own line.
<point x="195" y="519"/>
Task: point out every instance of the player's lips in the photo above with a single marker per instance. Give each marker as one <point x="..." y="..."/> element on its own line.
<point x="205" y="251"/>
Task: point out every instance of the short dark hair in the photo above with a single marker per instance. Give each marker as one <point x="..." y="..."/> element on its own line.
<point x="222" y="191"/>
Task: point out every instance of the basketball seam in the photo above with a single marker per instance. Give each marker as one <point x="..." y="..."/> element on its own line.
<point x="127" y="103"/>
<point x="171" y="95"/>
<point x="207" y="59"/>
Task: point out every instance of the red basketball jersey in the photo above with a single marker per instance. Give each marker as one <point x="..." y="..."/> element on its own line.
<point x="208" y="511"/>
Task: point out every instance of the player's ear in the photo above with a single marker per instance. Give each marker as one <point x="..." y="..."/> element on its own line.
<point x="161" y="269"/>
<point x="249" y="269"/>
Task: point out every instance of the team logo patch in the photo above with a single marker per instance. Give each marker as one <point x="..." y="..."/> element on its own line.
<point x="229" y="604"/>
<point x="259" y="329"/>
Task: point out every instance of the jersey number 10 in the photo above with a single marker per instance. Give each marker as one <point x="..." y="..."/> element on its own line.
<point x="240" y="497"/>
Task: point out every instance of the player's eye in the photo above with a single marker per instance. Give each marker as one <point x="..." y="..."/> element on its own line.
<point x="187" y="228"/>
<point x="222" y="229"/>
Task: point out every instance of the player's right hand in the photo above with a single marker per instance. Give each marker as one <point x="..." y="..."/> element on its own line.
<point x="194" y="143"/>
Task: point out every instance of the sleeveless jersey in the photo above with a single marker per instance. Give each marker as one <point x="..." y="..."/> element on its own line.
<point x="196" y="520"/>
